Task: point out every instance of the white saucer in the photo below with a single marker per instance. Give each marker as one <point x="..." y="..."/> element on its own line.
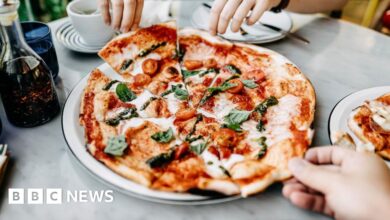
<point x="257" y="34"/>
<point x="68" y="37"/>
<point x="338" y="119"/>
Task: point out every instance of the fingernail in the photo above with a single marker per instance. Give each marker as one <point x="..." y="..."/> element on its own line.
<point x="296" y="165"/>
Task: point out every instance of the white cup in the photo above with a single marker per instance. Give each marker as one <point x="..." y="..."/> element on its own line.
<point x="91" y="27"/>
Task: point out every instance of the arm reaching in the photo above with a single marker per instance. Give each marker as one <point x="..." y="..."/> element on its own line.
<point x="341" y="183"/>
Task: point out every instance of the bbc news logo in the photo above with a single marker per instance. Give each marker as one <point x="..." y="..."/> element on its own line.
<point x="57" y="196"/>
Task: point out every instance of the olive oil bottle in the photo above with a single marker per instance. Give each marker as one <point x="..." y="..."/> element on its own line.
<point x="26" y="85"/>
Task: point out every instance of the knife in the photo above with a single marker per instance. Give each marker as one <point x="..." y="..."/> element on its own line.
<point x="272" y="27"/>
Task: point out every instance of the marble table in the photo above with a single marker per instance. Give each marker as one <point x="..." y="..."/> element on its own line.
<point x="342" y="58"/>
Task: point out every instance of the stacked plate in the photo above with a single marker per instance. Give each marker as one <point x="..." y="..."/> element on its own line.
<point x="68" y="37"/>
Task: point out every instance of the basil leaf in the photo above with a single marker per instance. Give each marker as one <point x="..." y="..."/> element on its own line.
<point x="192" y="139"/>
<point x="249" y="83"/>
<point x="201" y="73"/>
<point x="262" y="107"/>
<point x="199" y="118"/>
<point x="263" y="149"/>
<point x="116" y="145"/>
<point x="260" y="126"/>
<point x="124" y="115"/>
<point x="198" y="148"/>
<point x="233" y="69"/>
<point x="145" y="52"/>
<point x="181" y="94"/>
<point x="234" y="127"/>
<point x="164" y="136"/>
<point x="109" y="85"/>
<point x="126" y="65"/>
<point x="124" y="93"/>
<point x="237" y="116"/>
<point x="161" y="159"/>
<point x="187" y="73"/>
<point x="215" y="90"/>
<point x="147" y="103"/>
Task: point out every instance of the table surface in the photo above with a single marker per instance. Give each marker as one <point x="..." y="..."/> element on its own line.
<point x="342" y="58"/>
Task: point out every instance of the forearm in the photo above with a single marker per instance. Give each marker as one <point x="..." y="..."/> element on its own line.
<point x="315" y="6"/>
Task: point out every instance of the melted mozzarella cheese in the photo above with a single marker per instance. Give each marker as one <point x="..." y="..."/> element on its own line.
<point x="128" y="53"/>
<point x="213" y="164"/>
<point x="222" y="107"/>
<point x="279" y="119"/>
<point x="381" y="114"/>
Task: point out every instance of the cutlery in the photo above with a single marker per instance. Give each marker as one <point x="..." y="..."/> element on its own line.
<point x="3" y="160"/>
<point x="271" y="27"/>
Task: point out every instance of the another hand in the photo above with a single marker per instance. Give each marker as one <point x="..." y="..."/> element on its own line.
<point x="237" y="10"/>
<point x="341" y="183"/>
<point x="125" y="16"/>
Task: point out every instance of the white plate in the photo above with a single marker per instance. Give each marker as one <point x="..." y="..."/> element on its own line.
<point x="257" y="34"/>
<point x="74" y="136"/>
<point x="338" y="120"/>
<point x="68" y="37"/>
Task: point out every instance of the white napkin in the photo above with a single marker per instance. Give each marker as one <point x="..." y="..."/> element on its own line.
<point x="155" y="11"/>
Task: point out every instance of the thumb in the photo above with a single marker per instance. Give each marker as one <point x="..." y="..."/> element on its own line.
<point x="316" y="177"/>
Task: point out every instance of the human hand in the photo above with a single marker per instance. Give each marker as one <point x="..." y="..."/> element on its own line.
<point x="237" y="10"/>
<point x="126" y="14"/>
<point x="341" y="183"/>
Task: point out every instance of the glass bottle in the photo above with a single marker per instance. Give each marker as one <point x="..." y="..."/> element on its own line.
<point x="26" y="85"/>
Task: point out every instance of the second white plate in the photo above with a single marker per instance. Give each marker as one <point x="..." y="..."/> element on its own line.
<point x="338" y="119"/>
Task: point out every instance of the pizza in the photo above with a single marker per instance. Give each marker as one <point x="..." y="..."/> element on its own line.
<point x="371" y="124"/>
<point x="214" y="116"/>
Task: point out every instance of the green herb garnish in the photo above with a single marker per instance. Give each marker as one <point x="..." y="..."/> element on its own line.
<point x="161" y="159"/>
<point x="124" y="115"/>
<point x="233" y="69"/>
<point x="199" y="118"/>
<point x="124" y="93"/>
<point x="209" y="163"/>
<point x="116" y="145"/>
<point x="260" y="126"/>
<point x="179" y="54"/>
<point x="225" y="171"/>
<point x="235" y="118"/>
<point x="262" y="107"/>
<point x="249" y="83"/>
<point x="126" y="65"/>
<point x="201" y="73"/>
<point x="199" y="148"/>
<point x="179" y="93"/>
<point x="147" y="103"/>
<point x="163" y="136"/>
<point x="109" y="85"/>
<point x="145" y="52"/>
<point x="212" y="91"/>
<point x="263" y="149"/>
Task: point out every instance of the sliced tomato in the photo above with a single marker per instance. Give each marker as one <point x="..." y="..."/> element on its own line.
<point x="150" y="66"/>
<point x="142" y="80"/>
<point x="193" y="64"/>
<point x="236" y="89"/>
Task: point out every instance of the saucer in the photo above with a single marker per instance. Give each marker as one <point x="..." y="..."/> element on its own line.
<point x="69" y="38"/>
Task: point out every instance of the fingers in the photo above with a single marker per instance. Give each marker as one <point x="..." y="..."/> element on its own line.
<point x="138" y="14"/>
<point x="315" y="177"/>
<point x="227" y="14"/>
<point x="117" y="7"/>
<point x="105" y="9"/>
<point x="309" y="201"/>
<point x="241" y="14"/>
<point x="328" y="155"/>
<point x="215" y="14"/>
<point x="259" y="9"/>
<point x="128" y="15"/>
<point x="289" y="188"/>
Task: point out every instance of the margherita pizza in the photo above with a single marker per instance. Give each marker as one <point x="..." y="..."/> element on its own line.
<point x="213" y="115"/>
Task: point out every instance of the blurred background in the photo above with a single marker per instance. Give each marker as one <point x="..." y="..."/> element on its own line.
<point x="373" y="14"/>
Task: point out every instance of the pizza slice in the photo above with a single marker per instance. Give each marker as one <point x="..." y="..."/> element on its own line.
<point x="146" y="57"/>
<point x="371" y="124"/>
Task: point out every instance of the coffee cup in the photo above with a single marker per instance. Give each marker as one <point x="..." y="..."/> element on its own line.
<point x="88" y="22"/>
